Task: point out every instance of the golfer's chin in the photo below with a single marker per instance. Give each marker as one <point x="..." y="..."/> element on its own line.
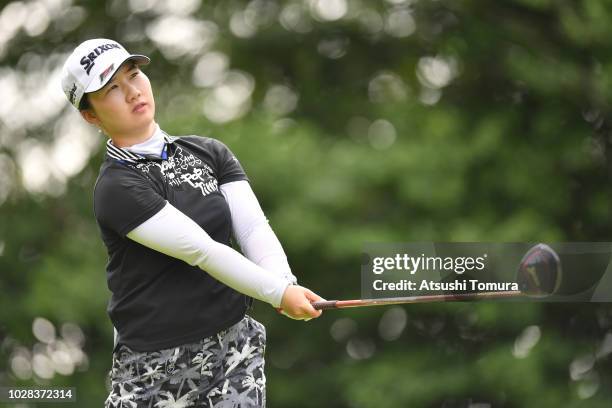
<point x="143" y="120"/>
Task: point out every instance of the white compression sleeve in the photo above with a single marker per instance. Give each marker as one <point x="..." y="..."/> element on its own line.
<point x="173" y="233"/>
<point x="252" y="231"/>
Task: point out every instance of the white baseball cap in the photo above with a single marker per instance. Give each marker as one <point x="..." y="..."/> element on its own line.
<point x="91" y="65"/>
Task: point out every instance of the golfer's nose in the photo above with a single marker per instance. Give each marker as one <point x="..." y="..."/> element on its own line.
<point x="132" y="92"/>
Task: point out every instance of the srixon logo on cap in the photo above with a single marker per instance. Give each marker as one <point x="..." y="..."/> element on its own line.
<point x="87" y="61"/>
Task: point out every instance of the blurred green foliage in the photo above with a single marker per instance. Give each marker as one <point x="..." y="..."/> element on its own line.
<point x="391" y="121"/>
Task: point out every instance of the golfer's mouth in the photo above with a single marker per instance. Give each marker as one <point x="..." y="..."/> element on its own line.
<point x="140" y="107"/>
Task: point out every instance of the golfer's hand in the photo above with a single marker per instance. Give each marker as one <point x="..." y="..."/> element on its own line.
<point x="296" y="303"/>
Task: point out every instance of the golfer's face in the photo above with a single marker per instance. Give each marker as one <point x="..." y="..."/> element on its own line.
<point x="125" y="104"/>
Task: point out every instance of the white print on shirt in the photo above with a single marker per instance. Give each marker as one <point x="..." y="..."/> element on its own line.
<point x="184" y="168"/>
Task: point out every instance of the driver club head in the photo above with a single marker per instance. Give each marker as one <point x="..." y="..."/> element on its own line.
<point x="539" y="273"/>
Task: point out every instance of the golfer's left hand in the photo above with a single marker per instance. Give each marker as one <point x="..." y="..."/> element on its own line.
<point x="296" y="303"/>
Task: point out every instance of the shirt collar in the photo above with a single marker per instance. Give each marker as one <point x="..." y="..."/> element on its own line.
<point x="123" y="154"/>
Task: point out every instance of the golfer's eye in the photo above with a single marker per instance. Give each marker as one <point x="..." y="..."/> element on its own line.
<point x="111" y="88"/>
<point x="134" y="74"/>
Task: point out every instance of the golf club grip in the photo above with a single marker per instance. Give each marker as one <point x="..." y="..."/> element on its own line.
<point x="325" y="305"/>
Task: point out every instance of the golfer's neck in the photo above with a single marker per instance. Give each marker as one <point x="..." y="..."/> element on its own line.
<point x="135" y="137"/>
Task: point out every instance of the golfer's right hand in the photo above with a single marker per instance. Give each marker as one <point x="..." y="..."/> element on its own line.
<point x="296" y="303"/>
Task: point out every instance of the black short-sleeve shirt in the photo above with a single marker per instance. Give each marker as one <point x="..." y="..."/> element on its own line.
<point x="159" y="301"/>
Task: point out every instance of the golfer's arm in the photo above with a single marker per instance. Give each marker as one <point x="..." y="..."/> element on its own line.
<point x="174" y="234"/>
<point x="252" y="231"/>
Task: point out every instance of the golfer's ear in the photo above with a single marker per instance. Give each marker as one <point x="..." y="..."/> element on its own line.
<point x="90" y="116"/>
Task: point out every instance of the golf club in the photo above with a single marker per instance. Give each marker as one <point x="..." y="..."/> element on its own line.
<point x="539" y="274"/>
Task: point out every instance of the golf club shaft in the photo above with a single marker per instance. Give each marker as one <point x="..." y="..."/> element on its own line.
<point x="341" y="304"/>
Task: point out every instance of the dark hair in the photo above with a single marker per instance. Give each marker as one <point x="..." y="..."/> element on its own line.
<point x="84" y="104"/>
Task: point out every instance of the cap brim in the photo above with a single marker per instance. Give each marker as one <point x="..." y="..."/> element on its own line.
<point x="138" y="58"/>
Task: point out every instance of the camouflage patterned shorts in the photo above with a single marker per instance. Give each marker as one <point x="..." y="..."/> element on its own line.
<point x="223" y="370"/>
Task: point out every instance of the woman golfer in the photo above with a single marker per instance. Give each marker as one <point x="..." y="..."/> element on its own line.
<point x="166" y="208"/>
